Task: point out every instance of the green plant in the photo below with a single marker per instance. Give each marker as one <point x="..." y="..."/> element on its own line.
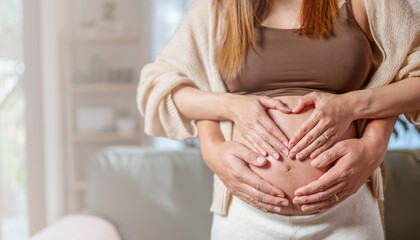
<point x="405" y="124"/>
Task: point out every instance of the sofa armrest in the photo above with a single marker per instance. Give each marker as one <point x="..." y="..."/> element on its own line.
<point x="78" y="227"/>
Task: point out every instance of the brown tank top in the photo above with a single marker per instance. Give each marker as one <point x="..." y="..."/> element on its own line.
<point x="286" y="63"/>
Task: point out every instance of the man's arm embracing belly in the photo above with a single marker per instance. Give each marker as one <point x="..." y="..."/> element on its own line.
<point x="289" y="174"/>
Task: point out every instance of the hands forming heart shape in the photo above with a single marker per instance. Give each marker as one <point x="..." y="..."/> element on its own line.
<point x="331" y="117"/>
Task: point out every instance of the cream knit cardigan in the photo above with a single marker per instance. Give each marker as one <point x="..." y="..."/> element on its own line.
<point x="189" y="58"/>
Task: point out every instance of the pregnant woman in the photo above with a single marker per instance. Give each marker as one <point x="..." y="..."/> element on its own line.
<point x="196" y="77"/>
<point x="285" y="66"/>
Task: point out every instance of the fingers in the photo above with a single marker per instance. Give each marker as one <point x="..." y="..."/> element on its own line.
<point x="328" y="156"/>
<point x="258" y="205"/>
<point x="253" y="180"/>
<point x="272" y="134"/>
<point x="261" y="197"/>
<point x="248" y="199"/>
<point x="321" y="149"/>
<point x="328" y="179"/>
<point x="321" y="140"/>
<point x="257" y="148"/>
<point x="246" y="175"/>
<point x="251" y="188"/>
<point x="319" y="196"/>
<point x="260" y="136"/>
<point x="274" y="104"/>
<point x="310" y="137"/>
<point x="303" y="130"/>
<point x="324" y="204"/>
<point x="251" y="157"/>
<point x="306" y="100"/>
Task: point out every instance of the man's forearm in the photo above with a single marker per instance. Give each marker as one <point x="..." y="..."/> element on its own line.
<point x="378" y="132"/>
<point x="386" y="101"/>
<point x="197" y="104"/>
<point x="209" y="133"/>
<point x="380" y="128"/>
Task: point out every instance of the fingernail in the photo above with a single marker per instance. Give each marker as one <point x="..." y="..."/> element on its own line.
<point x="299" y="193"/>
<point x="305" y="208"/>
<point x="286" y="144"/>
<point x="288" y="109"/>
<point x="277" y="209"/>
<point x="292" y="155"/>
<point x="263" y="153"/>
<point x="260" y="160"/>
<point x="316" y="162"/>
<point x="297" y="201"/>
<point x="299" y="156"/>
<point x="275" y="155"/>
<point x="285" y="204"/>
<point x="285" y="152"/>
<point x="265" y="210"/>
<point x="312" y="155"/>
<point x="280" y="195"/>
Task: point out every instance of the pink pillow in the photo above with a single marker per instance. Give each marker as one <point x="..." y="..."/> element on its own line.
<point x="78" y="227"/>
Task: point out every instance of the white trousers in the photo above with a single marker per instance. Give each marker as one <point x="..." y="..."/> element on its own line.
<point x="357" y="217"/>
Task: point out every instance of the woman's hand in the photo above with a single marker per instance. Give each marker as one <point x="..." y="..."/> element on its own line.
<point x="355" y="160"/>
<point x="229" y="161"/>
<point x="248" y="112"/>
<point x="329" y="120"/>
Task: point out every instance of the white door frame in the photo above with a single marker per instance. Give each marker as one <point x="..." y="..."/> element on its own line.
<point x="32" y="86"/>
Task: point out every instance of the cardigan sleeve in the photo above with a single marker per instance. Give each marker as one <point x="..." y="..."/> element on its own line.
<point x="411" y="65"/>
<point x="183" y="60"/>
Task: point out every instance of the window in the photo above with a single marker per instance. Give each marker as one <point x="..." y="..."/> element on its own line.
<point x="408" y="136"/>
<point x="167" y="15"/>
<point x="13" y="208"/>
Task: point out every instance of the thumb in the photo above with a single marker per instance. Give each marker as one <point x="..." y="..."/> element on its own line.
<point x="306" y="100"/>
<point x="274" y="103"/>
<point x="247" y="155"/>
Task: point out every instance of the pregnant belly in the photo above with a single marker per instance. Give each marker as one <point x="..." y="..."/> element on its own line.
<point x="285" y="173"/>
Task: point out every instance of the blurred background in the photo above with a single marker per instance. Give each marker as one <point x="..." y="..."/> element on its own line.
<point x="69" y="71"/>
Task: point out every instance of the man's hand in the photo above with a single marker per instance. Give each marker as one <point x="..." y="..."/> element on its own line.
<point x="229" y="161"/>
<point x="355" y="160"/>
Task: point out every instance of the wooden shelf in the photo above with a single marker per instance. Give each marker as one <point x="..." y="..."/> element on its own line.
<point x="80" y="145"/>
<point x="104" y="87"/>
<point x="125" y="38"/>
<point x="105" y="137"/>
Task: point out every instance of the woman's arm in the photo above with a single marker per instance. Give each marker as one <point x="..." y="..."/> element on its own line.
<point x="390" y="100"/>
<point x="248" y="112"/>
<point x="334" y="113"/>
<point x="229" y="161"/>
<point x="196" y="104"/>
<point x="355" y="160"/>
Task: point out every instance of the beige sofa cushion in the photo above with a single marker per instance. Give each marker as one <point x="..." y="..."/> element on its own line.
<point x="151" y="194"/>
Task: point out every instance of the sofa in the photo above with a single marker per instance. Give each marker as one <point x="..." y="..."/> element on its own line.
<point x="140" y="193"/>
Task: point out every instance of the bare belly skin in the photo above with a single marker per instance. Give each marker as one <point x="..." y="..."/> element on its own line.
<point x="285" y="173"/>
